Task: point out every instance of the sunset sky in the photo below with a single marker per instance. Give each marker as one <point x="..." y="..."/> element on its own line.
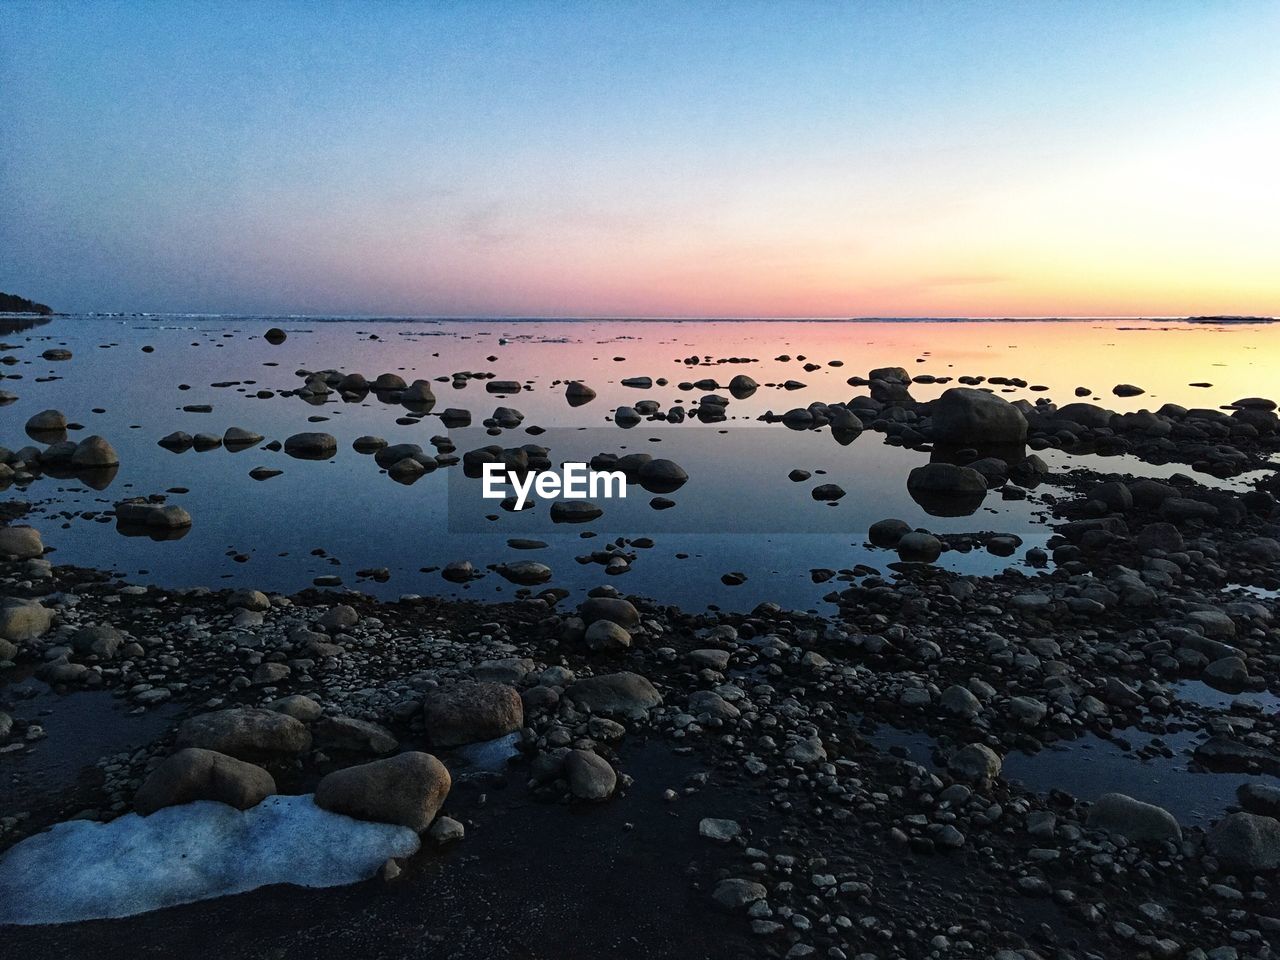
<point x="643" y="159"/>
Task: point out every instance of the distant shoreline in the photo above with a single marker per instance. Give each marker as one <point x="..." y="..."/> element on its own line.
<point x="374" y="318"/>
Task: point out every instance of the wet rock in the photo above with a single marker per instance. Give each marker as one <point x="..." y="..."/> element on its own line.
<point x="1245" y="843"/>
<point x="735" y="895"/>
<point x="662" y="476"/>
<point x="976" y="763"/>
<point x="407" y="789"/>
<point x="916" y="547"/>
<point x="47" y="421"/>
<point x="23" y="543"/>
<point x="605" y="636"/>
<point x="578" y="393"/>
<point x="470" y="712"/>
<point x="1133" y="819"/>
<point x="196" y="774"/>
<point x="94" y="453"/>
<point x="22" y="620"/>
<point x="311" y="446"/>
<point x="945" y="490"/>
<point x="829" y="492"/>
<point x="525" y="572"/>
<point x="239" y="438"/>
<point x="887" y="533"/>
<point x="177" y="441"/>
<point x="589" y="775"/>
<point x="621" y="612"/>
<point x="626" y="695"/>
<point x="275" y="336"/>
<point x="966" y="417"/>
<point x="354" y="736"/>
<point x="1127" y="390"/>
<point x="247" y="733"/>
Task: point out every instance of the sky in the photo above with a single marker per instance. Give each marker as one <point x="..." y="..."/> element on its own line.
<point x="642" y="159"/>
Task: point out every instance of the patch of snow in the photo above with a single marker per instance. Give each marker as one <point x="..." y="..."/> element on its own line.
<point x="490" y="755"/>
<point x="83" y="870"/>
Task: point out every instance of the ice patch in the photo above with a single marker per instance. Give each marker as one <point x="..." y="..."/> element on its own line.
<point x="489" y="755"/>
<point x="82" y="870"/>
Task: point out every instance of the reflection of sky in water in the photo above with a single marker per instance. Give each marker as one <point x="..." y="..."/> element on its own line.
<point x="351" y="511"/>
<point x="1091" y="766"/>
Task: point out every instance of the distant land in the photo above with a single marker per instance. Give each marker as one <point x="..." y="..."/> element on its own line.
<point x="12" y="303"/>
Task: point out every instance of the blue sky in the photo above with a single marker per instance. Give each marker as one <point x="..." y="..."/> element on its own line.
<point x="641" y="158"/>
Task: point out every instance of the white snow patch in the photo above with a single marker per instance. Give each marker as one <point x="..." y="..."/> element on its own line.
<point x="82" y="870"/>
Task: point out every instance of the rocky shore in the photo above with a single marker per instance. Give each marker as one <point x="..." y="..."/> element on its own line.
<point x="773" y="782"/>
<point x="830" y="845"/>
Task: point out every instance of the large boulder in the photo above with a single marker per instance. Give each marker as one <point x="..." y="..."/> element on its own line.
<point x="469" y="712"/>
<point x="407" y="789"/>
<point x="247" y="733"/>
<point x="589" y="775"/>
<point x="196" y="774"/>
<point x="625" y="694"/>
<point x="1246" y="843"/>
<point x="966" y="417"/>
<point x="1133" y="819"/>
<point x="24" y="620"/>
<point x="21" y="542"/>
<point x="93" y="453"/>
<point x="619" y="611"/>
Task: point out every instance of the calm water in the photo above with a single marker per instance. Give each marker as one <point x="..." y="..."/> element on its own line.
<point x="339" y="516"/>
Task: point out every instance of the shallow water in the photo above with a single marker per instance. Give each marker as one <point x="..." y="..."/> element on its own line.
<point x="343" y="515"/>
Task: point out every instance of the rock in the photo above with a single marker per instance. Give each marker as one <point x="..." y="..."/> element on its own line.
<point x="1228" y="673"/>
<point x="22" y="620"/>
<point x="275" y="336"/>
<point x="21" y="542"/>
<point x="525" y="572"/>
<point x="621" y="612"/>
<point x="1245" y="843"/>
<point x="47" y="421"/>
<point x="976" y="763"/>
<point x="662" y="476"/>
<point x="1133" y="819"/>
<point x="341" y="616"/>
<point x="967" y="417"/>
<point x="708" y="703"/>
<point x="297" y="706"/>
<point x="177" y="441"/>
<point x="1127" y="390"/>
<point x="253" y="600"/>
<point x="196" y="774"/>
<point x="94" y="453"/>
<point x="589" y="775"/>
<point x="446" y="830"/>
<point x="945" y="490"/>
<point x="887" y="533"/>
<point x="99" y="640"/>
<point x="735" y="895"/>
<point x="829" y="492"/>
<point x="960" y="701"/>
<point x="355" y="736"/>
<point x="139" y="512"/>
<point x="311" y="446"/>
<point x="270" y="673"/>
<point x="247" y="733"/>
<point x="578" y="393"/>
<point x="1159" y="536"/>
<point x="919" y="548"/>
<point x="605" y="636"/>
<point x="719" y="831"/>
<point x="239" y="437"/>
<point x="407" y="789"/>
<point x="469" y="712"/>
<point x="1260" y="798"/>
<point x="626" y="695"/>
